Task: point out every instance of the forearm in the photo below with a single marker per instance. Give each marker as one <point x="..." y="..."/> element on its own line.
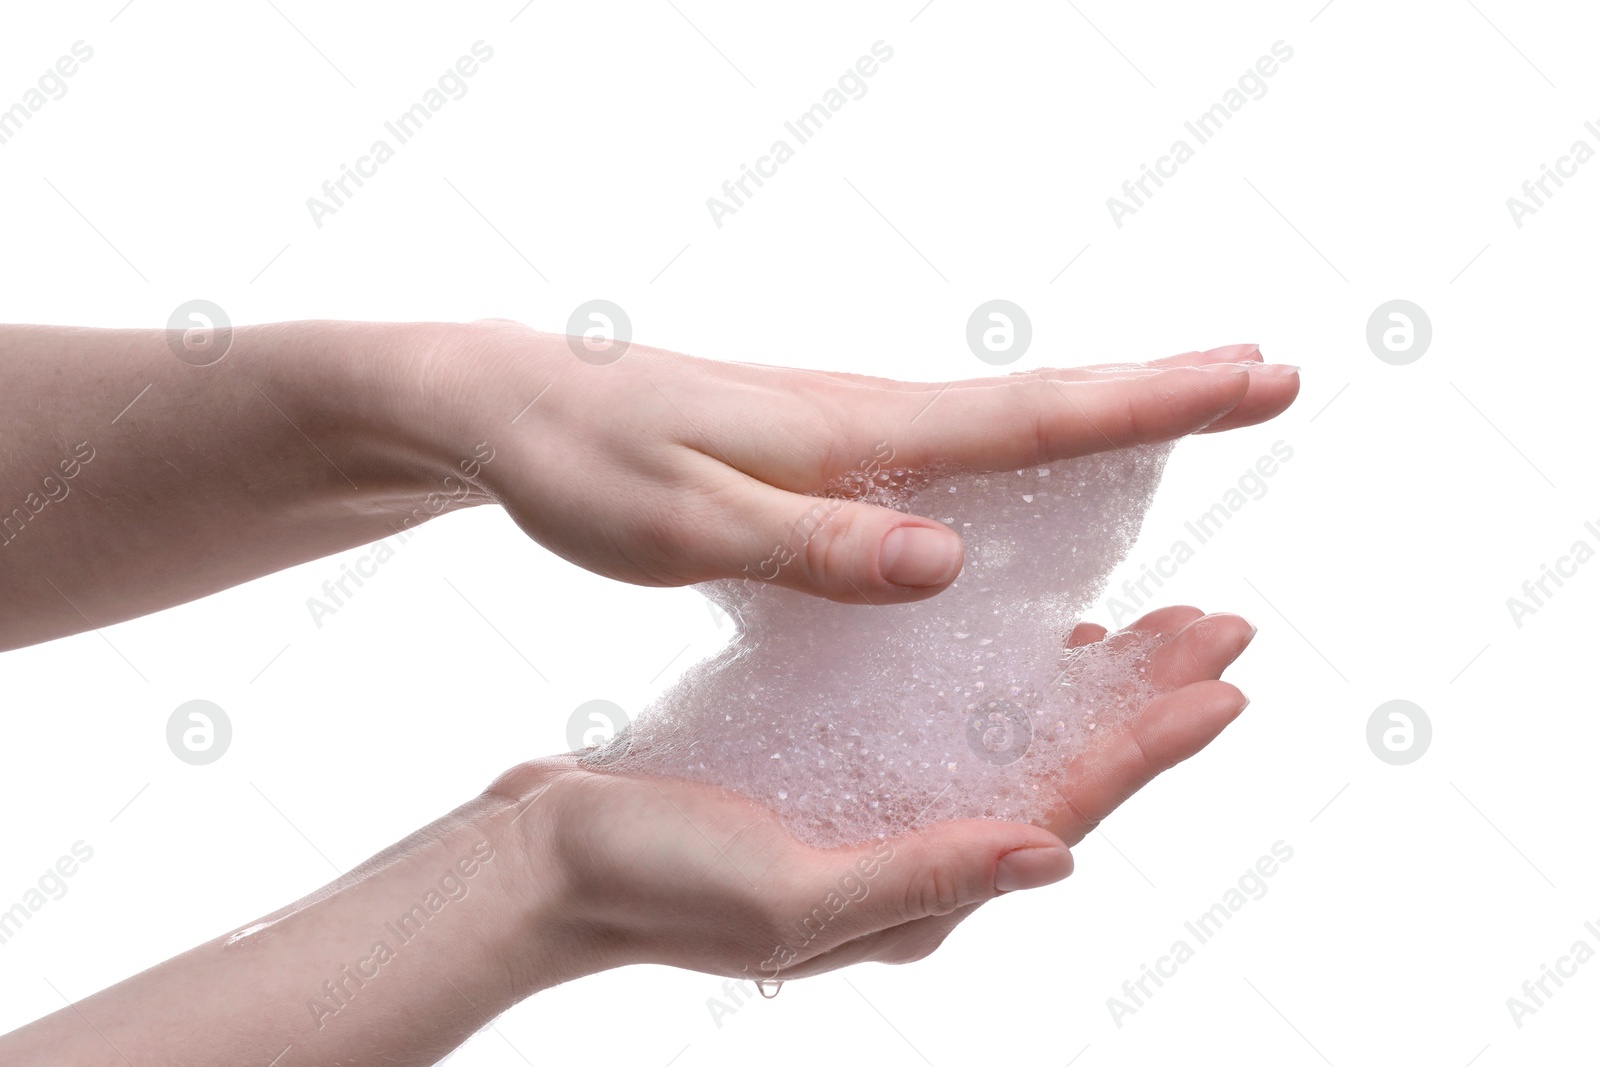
<point x="396" y="963"/>
<point x="131" y="481"/>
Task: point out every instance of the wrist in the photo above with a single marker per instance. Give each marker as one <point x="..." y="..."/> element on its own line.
<point x="399" y="405"/>
<point x="550" y="935"/>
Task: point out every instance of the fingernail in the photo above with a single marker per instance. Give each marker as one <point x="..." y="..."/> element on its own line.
<point x="1229" y="369"/>
<point x="1030" y="868"/>
<point x="1227" y="352"/>
<point x="1276" y="370"/>
<point x="917" y="556"/>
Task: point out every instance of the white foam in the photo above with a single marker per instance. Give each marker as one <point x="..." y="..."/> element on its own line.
<point x="854" y="721"/>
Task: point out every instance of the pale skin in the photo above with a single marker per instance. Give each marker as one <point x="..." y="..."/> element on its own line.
<point x="658" y="469"/>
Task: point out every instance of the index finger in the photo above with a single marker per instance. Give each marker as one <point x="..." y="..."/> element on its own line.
<point x="1173" y="727"/>
<point x="1032" y="420"/>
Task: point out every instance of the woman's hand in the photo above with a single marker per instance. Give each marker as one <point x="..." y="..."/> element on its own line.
<point x="661" y="870"/>
<point x="557" y="871"/>
<point x="663" y="469"/>
<point x="144" y="481"/>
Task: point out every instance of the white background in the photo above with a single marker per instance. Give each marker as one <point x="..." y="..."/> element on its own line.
<point x="1377" y="565"/>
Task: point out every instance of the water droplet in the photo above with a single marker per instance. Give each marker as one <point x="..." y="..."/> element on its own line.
<point x="768" y="987"/>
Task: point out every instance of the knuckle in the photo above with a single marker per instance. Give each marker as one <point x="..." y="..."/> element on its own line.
<point x="827" y="534"/>
<point x="1133" y="421"/>
<point x="1147" y="768"/>
<point x="1087" y="824"/>
<point x="937" y="892"/>
<point x="1036" y="398"/>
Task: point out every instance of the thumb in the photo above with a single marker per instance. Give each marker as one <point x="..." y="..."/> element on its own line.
<point x="842" y="550"/>
<point x="954" y="865"/>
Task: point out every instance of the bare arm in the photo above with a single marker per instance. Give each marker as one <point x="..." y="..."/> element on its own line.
<point x="557" y="872"/>
<point x="397" y="962"/>
<point x="131" y="480"/>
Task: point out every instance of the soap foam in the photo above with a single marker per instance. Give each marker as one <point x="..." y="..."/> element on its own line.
<point x="853" y="721"/>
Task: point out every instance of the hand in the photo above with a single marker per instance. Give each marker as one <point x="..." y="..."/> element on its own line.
<point x="663" y="469"/>
<point x="661" y="870"/>
<point x="557" y="871"/>
<point x="314" y="437"/>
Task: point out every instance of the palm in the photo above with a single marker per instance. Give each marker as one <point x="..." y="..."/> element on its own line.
<point x="1192" y="707"/>
<point x="709" y="880"/>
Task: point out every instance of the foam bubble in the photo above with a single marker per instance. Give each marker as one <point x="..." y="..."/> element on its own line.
<point x="854" y="721"/>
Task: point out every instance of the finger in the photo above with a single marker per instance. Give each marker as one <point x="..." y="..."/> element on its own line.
<point x="1172" y="728"/>
<point x="1203" y="649"/>
<point x="1037" y="420"/>
<point x="809" y="431"/>
<point x="1065" y="374"/>
<point x="1240" y="354"/>
<point x="947" y="867"/>
<point x="1273" y="387"/>
<point x="1246" y="355"/>
<point x="1167" y="620"/>
<point x="1225" y="354"/>
<point x="843" y="550"/>
<point x="1148" y="415"/>
<point x="1160" y="622"/>
<point x="1085" y="633"/>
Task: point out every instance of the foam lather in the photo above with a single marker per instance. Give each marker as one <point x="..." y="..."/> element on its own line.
<point x="852" y="722"/>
